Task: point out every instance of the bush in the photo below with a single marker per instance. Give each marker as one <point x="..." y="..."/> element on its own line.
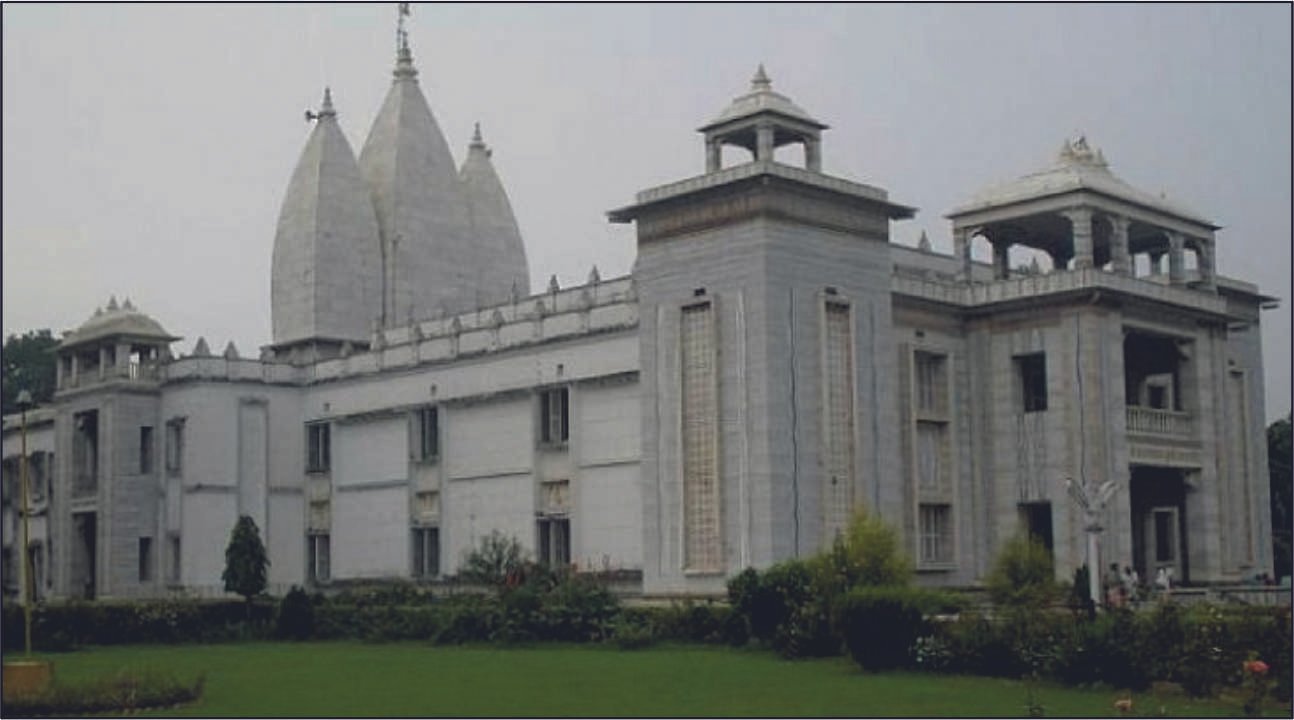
<point x="126" y="692"/>
<point x="493" y="561"/>
<point x="808" y="632"/>
<point x="631" y="635"/>
<point x="1022" y="575"/>
<point x="880" y="625"/>
<point x="296" y="619"/>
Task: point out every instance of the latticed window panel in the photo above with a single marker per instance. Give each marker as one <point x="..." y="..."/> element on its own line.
<point x="936" y="530"/>
<point x="838" y="420"/>
<point x="932" y="387"/>
<point x="933" y="476"/>
<point x="700" y="425"/>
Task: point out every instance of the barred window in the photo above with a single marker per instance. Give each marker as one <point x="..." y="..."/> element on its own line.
<point x="1033" y="381"/>
<point x="427" y="421"/>
<point x="932" y="390"/>
<point x="319" y="560"/>
<point x="700" y="430"/>
<point x="555" y="416"/>
<point x="554" y="541"/>
<point x="145" y="449"/>
<point x="318" y="453"/>
<point x="936" y="530"/>
<point x="426" y="552"/>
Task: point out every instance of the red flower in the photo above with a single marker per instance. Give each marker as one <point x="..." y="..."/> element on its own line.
<point x="1255" y="667"/>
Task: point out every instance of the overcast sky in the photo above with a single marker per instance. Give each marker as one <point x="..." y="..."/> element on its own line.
<point x="147" y="148"/>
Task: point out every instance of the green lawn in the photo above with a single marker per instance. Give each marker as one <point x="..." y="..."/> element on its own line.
<point x="358" y="679"/>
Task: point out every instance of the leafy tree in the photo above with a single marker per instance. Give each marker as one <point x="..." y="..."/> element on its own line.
<point x="245" y="561"/>
<point x="29" y="364"/>
<point x="1282" y="493"/>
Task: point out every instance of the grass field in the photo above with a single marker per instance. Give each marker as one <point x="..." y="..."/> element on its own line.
<point x="357" y="679"/>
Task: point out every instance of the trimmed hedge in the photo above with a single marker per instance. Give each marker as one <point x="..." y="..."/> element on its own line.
<point x="66" y="626"/>
<point x="881" y="625"/>
<point x="128" y="691"/>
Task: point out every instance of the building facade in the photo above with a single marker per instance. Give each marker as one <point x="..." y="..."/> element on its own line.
<point x="772" y="363"/>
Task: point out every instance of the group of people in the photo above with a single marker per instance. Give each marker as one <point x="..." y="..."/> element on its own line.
<point x="1124" y="586"/>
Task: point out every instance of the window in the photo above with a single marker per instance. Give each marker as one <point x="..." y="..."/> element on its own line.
<point x="932" y="459"/>
<point x="38" y="474"/>
<point x="554" y="416"/>
<point x="931" y="385"/>
<point x="145" y="559"/>
<point x="318" y="561"/>
<point x="1033" y="381"/>
<point x="318" y="456"/>
<point x="174" y="574"/>
<point x="85" y="453"/>
<point x="936" y="534"/>
<point x="555" y="541"/>
<point x="174" y="446"/>
<point x="1157" y="397"/>
<point x="145" y="449"/>
<point x="700" y="433"/>
<point x="427" y="423"/>
<point x="426" y="552"/>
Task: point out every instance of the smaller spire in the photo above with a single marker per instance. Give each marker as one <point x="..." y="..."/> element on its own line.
<point x="112" y="303"/>
<point x="231" y="352"/>
<point x="760" y="82"/>
<point x="923" y="244"/>
<point x="200" y="348"/>
<point x="553" y="285"/>
<point x="127" y="306"/>
<point x="594" y="277"/>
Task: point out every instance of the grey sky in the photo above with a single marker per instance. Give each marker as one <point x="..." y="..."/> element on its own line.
<point x="147" y="148"/>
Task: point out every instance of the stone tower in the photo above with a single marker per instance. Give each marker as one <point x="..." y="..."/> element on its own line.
<point x="766" y="351"/>
<point x="494" y="228"/>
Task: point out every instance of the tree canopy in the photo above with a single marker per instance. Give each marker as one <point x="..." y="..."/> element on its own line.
<point x="1282" y="493"/>
<point x="29" y="364"/>
<point x="245" y="560"/>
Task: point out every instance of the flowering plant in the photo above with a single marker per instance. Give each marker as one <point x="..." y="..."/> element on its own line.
<point x="1256" y="683"/>
<point x="1123" y="705"/>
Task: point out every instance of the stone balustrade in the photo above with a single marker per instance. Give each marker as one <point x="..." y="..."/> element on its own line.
<point x="1159" y="422"/>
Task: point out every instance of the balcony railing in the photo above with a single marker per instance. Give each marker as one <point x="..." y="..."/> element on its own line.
<point x="1159" y="422"/>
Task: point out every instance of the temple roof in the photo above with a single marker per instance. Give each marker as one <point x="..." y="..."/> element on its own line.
<point x="499" y="244"/>
<point x="1078" y="166"/>
<point x="326" y="277"/>
<point x="761" y="99"/>
<point x="112" y="321"/>
<point x="421" y="216"/>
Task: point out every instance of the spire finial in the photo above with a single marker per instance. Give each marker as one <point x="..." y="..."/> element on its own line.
<point x="403" y="56"/>
<point x="761" y="81"/>
<point x="477" y="142"/>
<point x="325" y="108"/>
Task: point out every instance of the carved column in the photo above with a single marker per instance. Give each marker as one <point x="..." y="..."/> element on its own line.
<point x="1176" y="258"/>
<point x="1080" y="219"/>
<point x="813" y="154"/>
<point x="713" y="156"/>
<point x="1119" y="258"/>
<point x="764" y="142"/>
<point x="962" y="251"/>
<point x="1206" y="263"/>
<point x="75" y="369"/>
<point x="103" y="361"/>
<point x="1001" y="258"/>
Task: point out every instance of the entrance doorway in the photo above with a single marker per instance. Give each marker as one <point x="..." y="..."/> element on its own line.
<point x="1035" y="518"/>
<point x="84" y="543"/>
<point x="1159" y="522"/>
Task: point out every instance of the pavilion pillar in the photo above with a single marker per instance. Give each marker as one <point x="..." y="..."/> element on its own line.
<point x="1080" y="220"/>
<point x="962" y="251"/>
<point x="1206" y="263"/>
<point x="764" y="142"/>
<point x="713" y="156"/>
<point x="813" y="154"/>
<point x="1176" y="258"/>
<point x="1120" y="260"/>
<point x="1001" y="259"/>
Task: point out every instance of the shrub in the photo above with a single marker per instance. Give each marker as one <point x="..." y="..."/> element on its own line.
<point x="1022" y="575"/>
<point x="631" y="635"/>
<point x="880" y="625"/>
<point x="245" y="561"/>
<point x="296" y="618"/>
<point x="493" y="561"/>
<point x="126" y="692"/>
<point x="808" y="632"/>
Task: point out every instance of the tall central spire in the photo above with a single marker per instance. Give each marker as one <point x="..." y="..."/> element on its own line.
<point x="403" y="56"/>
